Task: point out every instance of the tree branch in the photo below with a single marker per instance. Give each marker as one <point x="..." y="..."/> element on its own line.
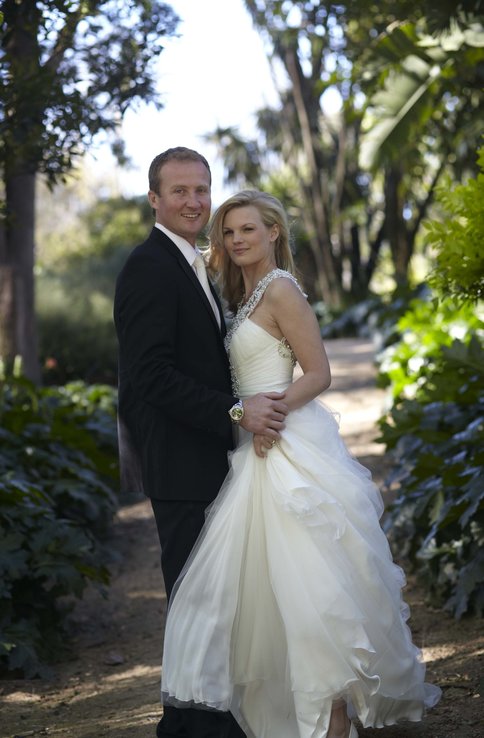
<point x="424" y="204"/>
<point x="375" y="247"/>
<point x="65" y="38"/>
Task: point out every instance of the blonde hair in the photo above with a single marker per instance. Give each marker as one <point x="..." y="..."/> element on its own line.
<point x="272" y="213"/>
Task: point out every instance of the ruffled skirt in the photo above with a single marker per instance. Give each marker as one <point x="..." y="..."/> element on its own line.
<point x="290" y="598"/>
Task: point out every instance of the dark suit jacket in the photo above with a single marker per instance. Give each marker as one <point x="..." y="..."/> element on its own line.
<point x="174" y="377"/>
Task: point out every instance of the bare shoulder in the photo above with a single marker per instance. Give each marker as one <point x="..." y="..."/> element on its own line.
<point x="285" y="289"/>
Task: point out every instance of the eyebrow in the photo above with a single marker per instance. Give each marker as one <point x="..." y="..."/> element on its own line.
<point x="243" y="224"/>
<point x="203" y="185"/>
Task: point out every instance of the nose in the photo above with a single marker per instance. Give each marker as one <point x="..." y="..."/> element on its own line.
<point x="193" y="200"/>
<point x="237" y="237"/>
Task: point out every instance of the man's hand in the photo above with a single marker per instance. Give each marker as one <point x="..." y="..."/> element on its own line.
<point x="264" y="414"/>
<point x="262" y="444"/>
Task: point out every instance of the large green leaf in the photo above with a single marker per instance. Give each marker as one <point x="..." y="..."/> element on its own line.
<point x="406" y="99"/>
<point x="422" y="69"/>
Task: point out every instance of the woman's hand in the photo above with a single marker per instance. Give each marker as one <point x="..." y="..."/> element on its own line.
<point x="262" y="444"/>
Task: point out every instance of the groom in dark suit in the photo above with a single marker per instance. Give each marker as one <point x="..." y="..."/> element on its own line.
<point x="176" y="406"/>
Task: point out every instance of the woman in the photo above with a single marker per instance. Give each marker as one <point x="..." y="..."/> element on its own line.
<point x="289" y="610"/>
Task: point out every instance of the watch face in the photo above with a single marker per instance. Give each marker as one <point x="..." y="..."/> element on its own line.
<point x="236" y="413"/>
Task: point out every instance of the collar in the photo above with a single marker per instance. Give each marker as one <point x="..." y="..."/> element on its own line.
<point x="188" y="251"/>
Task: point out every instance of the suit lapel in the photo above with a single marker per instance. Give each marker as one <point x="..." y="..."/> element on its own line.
<point x="223" y="327"/>
<point x="168" y="244"/>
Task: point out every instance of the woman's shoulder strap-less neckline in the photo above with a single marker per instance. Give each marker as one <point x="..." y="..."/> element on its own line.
<point x="261" y="287"/>
<point x="247" y="308"/>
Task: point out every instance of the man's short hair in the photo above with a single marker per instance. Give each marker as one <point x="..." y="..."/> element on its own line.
<point x="179" y="153"/>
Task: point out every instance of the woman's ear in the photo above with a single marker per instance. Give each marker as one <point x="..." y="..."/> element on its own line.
<point x="274" y="232"/>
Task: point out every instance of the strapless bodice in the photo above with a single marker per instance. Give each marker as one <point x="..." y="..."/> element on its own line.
<point x="260" y="362"/>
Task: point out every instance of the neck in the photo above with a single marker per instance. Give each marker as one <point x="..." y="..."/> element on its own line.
<point x="253" y="274"/>
<point x="192" y="240"/>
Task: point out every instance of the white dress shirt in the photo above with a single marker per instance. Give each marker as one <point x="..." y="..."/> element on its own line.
<point x="190" y="253"/>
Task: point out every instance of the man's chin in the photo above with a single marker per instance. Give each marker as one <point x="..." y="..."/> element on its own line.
<point x="192" y="229"/>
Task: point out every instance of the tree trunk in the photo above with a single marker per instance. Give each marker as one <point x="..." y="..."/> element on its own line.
<point x="396" y="231"/>
<point x="7" y="303"/>
<point x="7" y="316"/>
<point x="359" y="280"/>
<point x="18" y="331"/>
<point x="375" y="247"/>
<point x="18" y="334"/>
<point x="315" y="215"/>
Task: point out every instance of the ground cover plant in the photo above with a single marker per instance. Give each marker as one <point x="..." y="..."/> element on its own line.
<point x="58" y="470"/>
<point x="435" y="432"/>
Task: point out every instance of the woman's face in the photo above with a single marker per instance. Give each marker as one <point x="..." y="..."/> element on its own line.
<point x="247" y="240"/>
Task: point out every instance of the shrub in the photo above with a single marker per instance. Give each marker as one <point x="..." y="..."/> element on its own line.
<point x="58" y="464"/>
<point x="458" y="238"/>
<point x="435" y="428"/>
<point x="43" y="557"/>
<point x="435" y="431"/>
<point x="375" y="317"/>
<point x="411" y="363"/>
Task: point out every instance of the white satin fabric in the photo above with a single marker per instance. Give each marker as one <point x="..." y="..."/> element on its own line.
<point x="290" y="599"/>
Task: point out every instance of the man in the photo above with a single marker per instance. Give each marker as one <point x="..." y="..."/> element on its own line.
<point x="176" y="405"/>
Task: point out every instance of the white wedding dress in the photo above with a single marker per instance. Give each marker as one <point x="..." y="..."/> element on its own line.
<point x="290" y="598"/>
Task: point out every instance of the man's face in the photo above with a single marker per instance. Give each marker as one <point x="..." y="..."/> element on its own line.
<point x="183" y="201"/>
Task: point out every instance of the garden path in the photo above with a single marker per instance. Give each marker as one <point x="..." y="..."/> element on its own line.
<point x="108" y="686"/>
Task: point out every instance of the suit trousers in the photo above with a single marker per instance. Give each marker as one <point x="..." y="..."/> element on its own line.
<point x="179" y="524"/>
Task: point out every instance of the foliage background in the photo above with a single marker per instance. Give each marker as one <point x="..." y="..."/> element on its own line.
<point x="435" y="427"/>
<point x="58" y="476"/>
<point x="75" y="289"/>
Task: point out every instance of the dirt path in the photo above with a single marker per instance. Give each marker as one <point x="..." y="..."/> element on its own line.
<point x="110" y="684"/>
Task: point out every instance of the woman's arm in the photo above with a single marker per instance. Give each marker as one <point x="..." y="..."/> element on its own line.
<point x="288" y="310"/>
<point x="286" y="313"/>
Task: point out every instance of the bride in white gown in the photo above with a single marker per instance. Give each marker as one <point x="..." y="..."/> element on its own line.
<point x="289" y="610"/>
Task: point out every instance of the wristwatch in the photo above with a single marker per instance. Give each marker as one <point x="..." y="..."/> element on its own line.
<point x="236" y="412"/>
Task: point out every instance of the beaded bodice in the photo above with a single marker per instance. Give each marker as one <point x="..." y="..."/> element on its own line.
<point x="259" y="362"/>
